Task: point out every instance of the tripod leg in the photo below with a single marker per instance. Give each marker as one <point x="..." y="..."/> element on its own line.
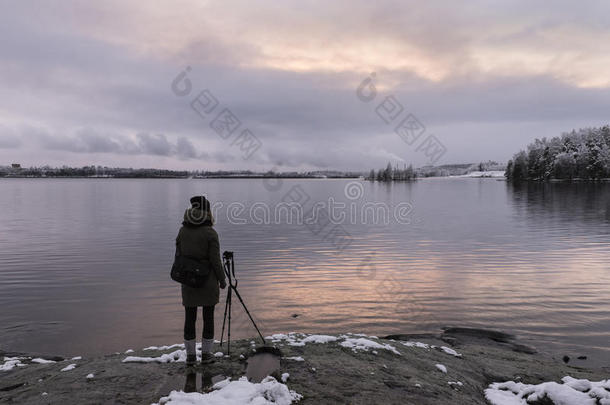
<point x="250" y="316"/>
<point x="229" y="328"/>
<point x="224" y="319"/>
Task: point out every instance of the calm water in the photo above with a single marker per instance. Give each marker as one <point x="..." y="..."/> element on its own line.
<point x="84" y="263"/>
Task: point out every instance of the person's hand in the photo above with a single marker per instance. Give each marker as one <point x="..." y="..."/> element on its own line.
<point x="223" y="284"/>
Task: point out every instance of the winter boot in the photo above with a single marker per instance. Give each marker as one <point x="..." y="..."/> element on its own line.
<point x="206" y="351"/>
<point x="191" y="354"/>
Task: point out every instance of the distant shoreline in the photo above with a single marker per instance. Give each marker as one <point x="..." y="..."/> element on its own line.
<point x="288" y="177"/>
<point x="182" y="177"/>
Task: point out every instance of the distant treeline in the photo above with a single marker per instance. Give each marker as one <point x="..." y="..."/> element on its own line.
<point x="458" y="169"/>
<point x="393" y="174"/>
<point x="582" y="154"/>
<point x="90" y="171"/>
<point x="407" y="173"/>
<point x="239" y="174"/>
<point x="117" y="172"/>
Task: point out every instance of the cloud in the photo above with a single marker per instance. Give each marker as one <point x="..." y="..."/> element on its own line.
<point x="97" y="78"/>
<point x="8" y="138"/>
<point x="154" y="144"/>
<point x="89" y="141"/>
<point x="10" y="142"/>
<point x="92" y="142"/>
<point x="185" y="149"/>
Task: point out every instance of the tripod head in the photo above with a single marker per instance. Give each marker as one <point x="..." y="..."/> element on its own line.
<point x="229" y="267"/>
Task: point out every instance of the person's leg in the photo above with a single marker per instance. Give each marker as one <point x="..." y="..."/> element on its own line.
<point x="208" y="333"/>
<point x="190" y="319"/>
<point x="208" y="322"/>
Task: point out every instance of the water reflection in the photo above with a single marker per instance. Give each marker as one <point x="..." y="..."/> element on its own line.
<point x="190" y="384"/>
<point x="208" y="380"/>
<point x="563" y="203"/>
<point x="265" y="362"/>
<point x="531" y="260"/>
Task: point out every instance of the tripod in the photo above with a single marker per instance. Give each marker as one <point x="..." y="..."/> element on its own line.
<point x="229" y="268"/>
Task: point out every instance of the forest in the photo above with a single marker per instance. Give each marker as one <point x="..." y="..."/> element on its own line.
<point x="582" y="154"/>
<point x="392" y="174"/>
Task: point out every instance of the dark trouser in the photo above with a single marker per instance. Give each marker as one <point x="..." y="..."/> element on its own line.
<point x="190" y="317"/>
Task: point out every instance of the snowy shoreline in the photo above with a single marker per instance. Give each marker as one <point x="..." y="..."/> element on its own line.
<point x="458" y="366"/>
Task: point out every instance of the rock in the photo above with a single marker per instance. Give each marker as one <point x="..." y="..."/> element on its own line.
<point x="449" y="340"/>
<point x="411" y="336"/>
<point x="330" y="373"/>
<point x="496" y="336"/>
<point x="519" y="348"/>
<point x="12" y="387"/>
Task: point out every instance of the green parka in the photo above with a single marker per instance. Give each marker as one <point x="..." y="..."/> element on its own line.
<point x="200" y="241"/>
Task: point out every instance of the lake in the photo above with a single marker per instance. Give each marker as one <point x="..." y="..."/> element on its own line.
<point x="84" y="263"/>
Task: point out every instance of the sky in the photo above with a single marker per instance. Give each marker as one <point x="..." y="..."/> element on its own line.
<point x="295" y="85"/>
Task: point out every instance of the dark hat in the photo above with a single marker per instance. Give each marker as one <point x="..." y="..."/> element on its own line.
<point x="200" y="202"/>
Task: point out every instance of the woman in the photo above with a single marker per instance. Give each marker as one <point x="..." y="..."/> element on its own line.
<point x="197" y="239"/>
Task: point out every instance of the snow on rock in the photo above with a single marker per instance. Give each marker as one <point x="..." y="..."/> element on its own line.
<point x="421" y="345"/>
<point x="176" y="346"/>
<point x="12" y="362"/>
<point x="455" y="384"/>
<point x="357" y="342"/>
<point x="76" y="358"/>
<point x="365" y="344"/>
<point x="319" y="339"/>
<point x="175" y="356"/>
<point x="295" y="358"/>
<point x="292" y="338"/>
<point x="416" y="344"/>
<point x="227" y="392"/>
<point x="441" y="367"/>
<point x="300" y="339"/>
<point x="89" y="376"/>
<point x="128" y="351"/>
<point x="285" y="377"/>
<point x="42" y="361"/>
<point x="450" y="351"/>
<point x="571" y="392"/>
<point x="69" y="367"/>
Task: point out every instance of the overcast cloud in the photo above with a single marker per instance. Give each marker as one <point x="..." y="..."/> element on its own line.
<point x="90" y="83"/>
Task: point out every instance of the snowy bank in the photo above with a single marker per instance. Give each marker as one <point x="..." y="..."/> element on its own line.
<point x="484" y="174"/>
<point x="459" y="366"/>
<point x="239" y="392"/>
<point x="570" y="392"/>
